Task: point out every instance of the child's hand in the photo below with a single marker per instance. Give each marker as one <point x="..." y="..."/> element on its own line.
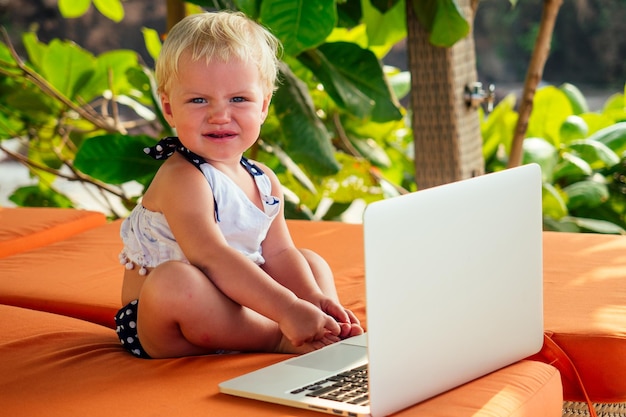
<point x="305" y="323"/>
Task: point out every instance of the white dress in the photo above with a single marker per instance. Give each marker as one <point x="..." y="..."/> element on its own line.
<point x="148" y="240"/>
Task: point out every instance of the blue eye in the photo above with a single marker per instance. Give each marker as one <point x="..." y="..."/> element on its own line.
<point x="198" y="100"/>
<point x="238" y="99"/>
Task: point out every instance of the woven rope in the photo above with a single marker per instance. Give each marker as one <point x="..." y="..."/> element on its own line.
<point x="579" y="409"/>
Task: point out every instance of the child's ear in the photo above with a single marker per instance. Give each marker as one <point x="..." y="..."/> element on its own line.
<point x="266" y="107"/>
<point x="167" y="109"/>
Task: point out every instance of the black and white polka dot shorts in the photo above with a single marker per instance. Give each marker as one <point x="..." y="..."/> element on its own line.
<point x="126" y="321"/>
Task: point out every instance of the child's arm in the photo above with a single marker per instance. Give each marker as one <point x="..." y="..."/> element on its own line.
<point x="288" y="266"/>
<point x="182" y="194"/>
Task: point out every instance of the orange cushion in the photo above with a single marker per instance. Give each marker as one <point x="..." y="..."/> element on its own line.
<point x="585" y="307"/>
<point x="58" y="366"/>
<point x="23" y="229"/>
<point x="583" y="275"/>
<point x="78" y="277"/>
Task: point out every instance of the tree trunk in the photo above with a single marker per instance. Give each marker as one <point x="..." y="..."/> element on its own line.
<point x="447" y="140"/>
<point x="175" y="12"/>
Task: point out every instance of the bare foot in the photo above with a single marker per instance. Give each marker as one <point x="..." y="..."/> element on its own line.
<point x="349" y="330"/>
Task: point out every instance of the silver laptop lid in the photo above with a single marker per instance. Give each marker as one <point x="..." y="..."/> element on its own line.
<point x="461" y="266"/>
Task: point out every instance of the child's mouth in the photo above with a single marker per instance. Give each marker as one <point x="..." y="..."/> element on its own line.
<point x="219" y="135"/>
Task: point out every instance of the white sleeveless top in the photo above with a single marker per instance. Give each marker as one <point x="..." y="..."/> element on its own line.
<point x="148" y="240"/>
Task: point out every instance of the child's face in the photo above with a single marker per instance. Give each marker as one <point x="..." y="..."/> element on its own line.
<point x="217" y="108"/>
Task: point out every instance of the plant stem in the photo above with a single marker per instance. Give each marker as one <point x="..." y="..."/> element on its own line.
<point x="533" y="77"/>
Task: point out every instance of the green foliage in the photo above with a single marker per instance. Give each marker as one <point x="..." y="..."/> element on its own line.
<point x="112" y="9"/>
<point x="582" y="155"/>
<point x="336" y="131"/>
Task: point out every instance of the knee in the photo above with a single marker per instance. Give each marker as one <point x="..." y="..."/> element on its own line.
<point x="316" y="262"/>
<point x="170" y="283"/>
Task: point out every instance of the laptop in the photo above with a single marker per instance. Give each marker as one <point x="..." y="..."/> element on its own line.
<point x="453" y="278"/>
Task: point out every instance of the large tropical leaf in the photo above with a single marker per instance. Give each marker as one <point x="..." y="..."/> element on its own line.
<point x="67" y="66"/>
<point x="109" y="74"/>
<point x="352" y="65"/>
<point x="117" y="159"/>
<point x="443" y="19"/>
<point x="385" y="28"/>
<point x="306" y="139"/>
<point x="299" y="24"/>
<point x="336" y="78"/>
<point x="551" y="107"/>
<point x="35" y="49"/>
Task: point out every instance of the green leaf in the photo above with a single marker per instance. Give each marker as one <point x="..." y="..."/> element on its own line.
<point x="425" y="10"/>
<point x="306" y="139"/>
<point x="249" y="7"/>
<point x="116" y="158"/>
<point x="372" y="151"/>
<point x="596" y="121"/>
<point x="615" y="107"/>
<point x="362" y="69"/>
<point x="400" y="83"/>
<point x="383" y="30"/>
<point x="334" y="71"/>
<point x="10" y="126"/>
<point x="597" y="226"/>
<point x="109" y="73"/>
<point x="542" y="152"/>
<point x="152" y="41"/>
<point x="575" y="97"/>
<point x="349" y="13"/>
<point x="550" y="109"/>
<point x="5" y="56"/>
<point x="498" y="127"/>
<point x="553" y="204"/>
<point x="31" y="105"/>
<point x="573" y="128"/>
<point x="299" y="24"/>
<point x="571" y="168"/>
<point x="449" y="26"/>
<point x="38" y="196"/>
<point x="35" y="49"/>
<point x="562" y="225"/>
<point x="614" y="137"/>
<point x="67" y="66"/>
<point x="73" y="8"/>
<point x="586" y="194"/>
<point x="443" y="19"/>
<point x="112" y="9"/>
<point x="595" y="153"/>
<point x="352" y="182"/>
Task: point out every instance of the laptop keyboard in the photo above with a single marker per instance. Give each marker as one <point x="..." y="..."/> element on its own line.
<point x="348" y="387"/>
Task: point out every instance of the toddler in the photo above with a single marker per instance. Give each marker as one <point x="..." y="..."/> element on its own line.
<point x="210" y="264"/>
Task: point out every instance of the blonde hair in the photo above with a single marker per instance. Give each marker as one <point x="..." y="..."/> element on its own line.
<point x="220" y="36"/>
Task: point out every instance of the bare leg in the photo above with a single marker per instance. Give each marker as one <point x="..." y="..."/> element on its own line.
<point x="322" y="273"/>
<point x="181" y="313"/>
<point x="325" y="280"/>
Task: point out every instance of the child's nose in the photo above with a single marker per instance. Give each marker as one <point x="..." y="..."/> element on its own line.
<point x="218" y="113"/>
